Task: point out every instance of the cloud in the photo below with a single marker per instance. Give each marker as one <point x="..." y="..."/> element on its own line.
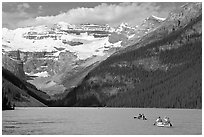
<point x="11" y="19"/>
<point x="114" y="14"/>
<point x="23" y="6"/>
<point x="40" y="7"/>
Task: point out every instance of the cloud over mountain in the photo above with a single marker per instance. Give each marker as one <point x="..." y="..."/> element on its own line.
<point x="113" y="14"/>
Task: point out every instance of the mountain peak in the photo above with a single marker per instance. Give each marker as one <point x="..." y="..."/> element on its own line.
<point x="123" y="24"/>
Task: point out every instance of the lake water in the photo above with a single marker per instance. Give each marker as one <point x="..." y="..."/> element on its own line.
<point x="97" y="121"/>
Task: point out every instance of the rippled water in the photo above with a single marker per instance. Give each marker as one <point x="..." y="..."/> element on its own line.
<point x="113" y="121"/>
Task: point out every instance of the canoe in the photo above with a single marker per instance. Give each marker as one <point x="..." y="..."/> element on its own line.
<point x="161" y="124"/>
<point x="140" y="118"/>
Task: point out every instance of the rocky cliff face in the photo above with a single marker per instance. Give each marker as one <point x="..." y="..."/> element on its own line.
<point x="13" y="65"/>
<point x="162" y="69"/>
<point x="51" y="56"/>
<point x="130" y="35"/>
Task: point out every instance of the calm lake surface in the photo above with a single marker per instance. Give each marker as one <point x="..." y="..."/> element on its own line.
<point x="97" y="121"/>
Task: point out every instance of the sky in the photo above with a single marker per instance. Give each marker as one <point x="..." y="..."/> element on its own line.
<point x="23" y="14"/>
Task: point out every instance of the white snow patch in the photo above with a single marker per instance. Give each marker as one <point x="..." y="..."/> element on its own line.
<point x="117" y="44"/>
<point x="39" y="74"/>
<point x="131" y="36"/>
<point x="14" y="40"/>
<point x="159" y="18"/>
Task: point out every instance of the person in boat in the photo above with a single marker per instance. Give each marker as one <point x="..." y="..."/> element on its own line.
<point x="158" y="119"/>
<point x="143" y="117"/>
<point x="167" y="120"/>
<point x="140" y="116"/>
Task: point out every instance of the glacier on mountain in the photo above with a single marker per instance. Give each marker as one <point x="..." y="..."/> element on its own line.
<point x="15" y="40"/>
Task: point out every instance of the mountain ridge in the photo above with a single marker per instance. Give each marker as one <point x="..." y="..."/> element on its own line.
<point x="92" y="65"/>
<point x="147" y="74"/>
<point x="72" y="51"/>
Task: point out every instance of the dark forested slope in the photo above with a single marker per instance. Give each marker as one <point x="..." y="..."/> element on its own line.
<point x="164" y="69"/>
<point x="19" y="92"/>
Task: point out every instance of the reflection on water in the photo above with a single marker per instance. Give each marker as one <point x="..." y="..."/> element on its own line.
<point x="114" y="121"/>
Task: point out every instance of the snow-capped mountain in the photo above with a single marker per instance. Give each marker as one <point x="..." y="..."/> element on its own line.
<point x="130" y="35"/>
<point x="121" y="27"/>
<point x="124" y="28"/>
<point x="59" y="51"/>
<point x="62" y="35"/>
<point x="149" y="24"/>
<point x="61" y="55"/>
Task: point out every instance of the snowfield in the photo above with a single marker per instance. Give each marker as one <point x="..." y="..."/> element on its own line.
<point x="14" y="40"/>
<point x="40" y="74"/>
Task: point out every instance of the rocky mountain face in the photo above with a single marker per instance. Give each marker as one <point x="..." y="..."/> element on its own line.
<point x="162" y="69"/>
<point x="52" y="54"/>
<point x="147" y="26"/>
<point x="58" y="58"/>
<point x="131" y="35"/>
<point x="14" y="65"/>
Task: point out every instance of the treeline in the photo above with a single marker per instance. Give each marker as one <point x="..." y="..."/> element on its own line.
<point x="179" y="88"/>
<point x="183" y="89"/>
<point x="6" y="102"/>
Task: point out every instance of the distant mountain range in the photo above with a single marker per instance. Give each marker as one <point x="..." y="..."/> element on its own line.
<point x="65" y="51"/>
<point x="155" y="64"/>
